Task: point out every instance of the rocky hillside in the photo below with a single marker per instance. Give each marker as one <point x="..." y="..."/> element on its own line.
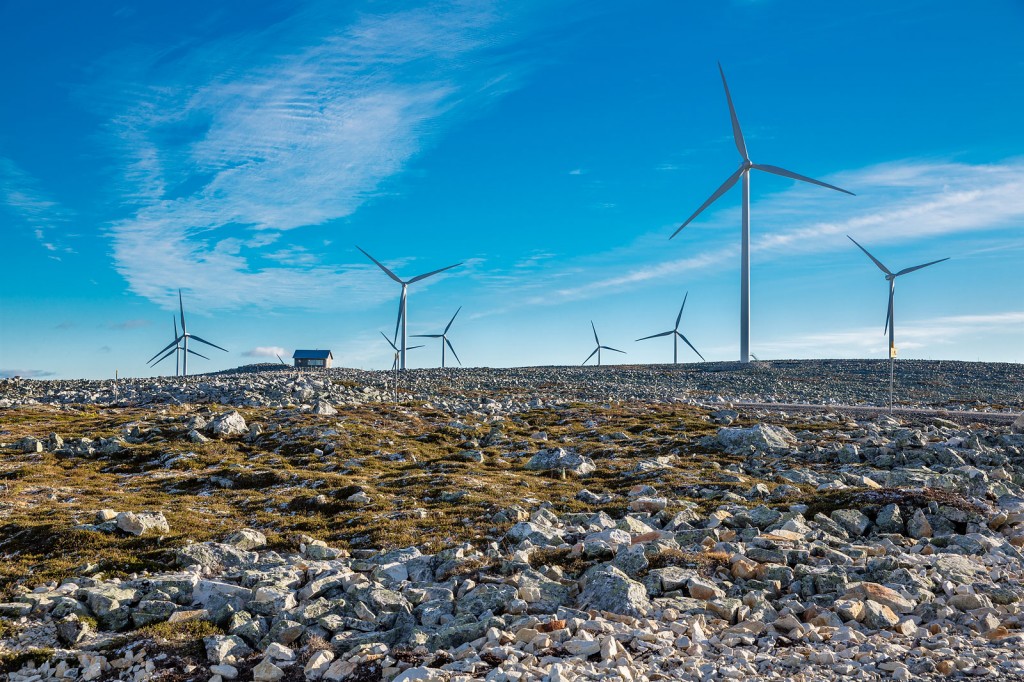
<point x="531" y="524"/>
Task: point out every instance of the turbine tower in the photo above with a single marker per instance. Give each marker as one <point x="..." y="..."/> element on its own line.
<point x="402" y="322"/>
<point x="676" y="335"/>
<point x="599" y="347"/>
<point x="743" y="172"/>
<point x="183" y="339"/>
<point x="444" y="339"/>
<point x="890" y="321"/>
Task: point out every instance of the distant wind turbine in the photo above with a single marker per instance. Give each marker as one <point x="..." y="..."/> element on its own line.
<point x="890" y="319"/>
<point x="444" y="339"/>
<point x="890" y="322"/>
<point x="746" y="165"/>
<point x="597" y="350"/>
<point x="402" y="317"/>
<point x="183" y="339"/>
<point x="177" y="351"/>
<point x="676" y="335"/>
<point x="281" y="360"/>
<point x="391" y="343"/>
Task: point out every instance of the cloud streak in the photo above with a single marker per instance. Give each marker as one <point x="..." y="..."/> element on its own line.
<point x="264" y="352"/>
<point x="21" y="195"/>
<point x="897" y="202"/>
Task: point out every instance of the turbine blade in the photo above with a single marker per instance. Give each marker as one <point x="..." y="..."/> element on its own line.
<point x="737" y="134"/>
<point x="775" y="170"/>
<point x="199" y="354"/>
<point x="175" y="321"/>
<point x="181" y="307"/>
<point x="398" y="321"/>
<point x="877" y="262"/>
<point x="453" y="351"/>
<point x="408" y="348"/>
<point x="595" y="333"/>
<point x="172" y="343"/>
<point x="165" y="356"/>
<point x="687" y="342"/>
<point x="679" y="317"/>
<point x="382" y="267"/>
<point x="726" y="186"/>
<point x="589" y="356"/>
<point x="193" y="336"/>
<point x="614" y="349"/>
<point x="431" y="274"/>
<point x="390" y="342"/>
<point x="888" y="315"/>
<point x="282" y="361"/>
<point x="450" y="322"/>
<point x="426" y="336"/>
<point x="918" y="267"/>
<point x="654" y="336"/>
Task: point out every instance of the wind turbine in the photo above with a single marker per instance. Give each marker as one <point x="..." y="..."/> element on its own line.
<point x="177" y="351"/>
<point x="743" y="172"/>
<point x="279" y="359"/>
<point x="183" y="338"/>
<point x="599" y="347"/>
<point x="676" y="335"/>
<point x="890" y="320"/>
<point x="391" y="343"/>
<point x="402" y="321"/>
<point x="444" y="339"/>
<point x="890" y="277"/>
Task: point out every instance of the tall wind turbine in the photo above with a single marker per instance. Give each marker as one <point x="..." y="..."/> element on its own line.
<point x="402" y="321"/>
<point x="890" y="321"/>
<point x="444" y="339"/>
<point x="183" y="338"/>
<point x="743" y="172"/>
<point x="676" y="335"/>
<point x="599" y="347"/>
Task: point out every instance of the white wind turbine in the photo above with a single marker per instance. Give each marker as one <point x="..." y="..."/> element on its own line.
<point x="890" y="320"/>
<point x="676" y="335"/>
<point x="183" y="339"/>
<point x="597" y="350"/>
<point x="444" y="339"/>
<point x="743" y="172"/>
<point x="402" y="318"/>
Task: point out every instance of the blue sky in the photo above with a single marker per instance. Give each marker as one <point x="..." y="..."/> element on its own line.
<point x="240" y="151"/>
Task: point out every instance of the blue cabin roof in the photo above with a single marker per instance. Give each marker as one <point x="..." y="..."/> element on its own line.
<point x="312" y="355"/>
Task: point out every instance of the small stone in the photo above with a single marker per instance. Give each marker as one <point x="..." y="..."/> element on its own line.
<point x="918" y="526"/>
<point x="266" y="671"/>
<point x="318" y="664"/>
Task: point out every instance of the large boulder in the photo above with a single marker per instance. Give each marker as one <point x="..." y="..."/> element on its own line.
<point x="606" y="588"/>
<point x="561" y="459"/>
<point x="760" y="437"/>
<point x="142" y="522"/>
<point x="228" y="424"/>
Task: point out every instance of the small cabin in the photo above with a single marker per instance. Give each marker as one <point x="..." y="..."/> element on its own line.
<point x="312" y="358"/>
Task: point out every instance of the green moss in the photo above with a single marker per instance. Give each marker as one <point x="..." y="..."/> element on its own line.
<point x="14" y="661"/>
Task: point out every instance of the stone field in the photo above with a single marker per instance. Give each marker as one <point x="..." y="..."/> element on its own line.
<point x="611" y="523"/>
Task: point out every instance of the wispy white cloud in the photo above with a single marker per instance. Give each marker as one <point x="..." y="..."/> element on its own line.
<point x="912" y="334"/>
<point x="221" y="157"/>
<point x="897" y="202"/>
<point x="264" y="352"/>
<point x="22" y="195"/>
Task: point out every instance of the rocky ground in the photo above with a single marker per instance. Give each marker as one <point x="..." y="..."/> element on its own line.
<point x="530" y="524"/>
